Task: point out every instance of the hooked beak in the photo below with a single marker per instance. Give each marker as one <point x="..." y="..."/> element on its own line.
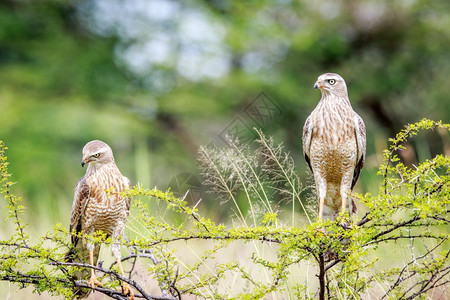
<point x="84" y="161"/>
<point x="318" y="84"/>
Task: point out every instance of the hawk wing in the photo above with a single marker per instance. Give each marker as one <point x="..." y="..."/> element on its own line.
<point x="306" y="139"/>
<point x="360" y="134"/>
<point x="80" y="201"/>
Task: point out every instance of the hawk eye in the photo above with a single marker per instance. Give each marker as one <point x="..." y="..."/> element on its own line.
<point x="96" y="155"/>
<point x="331" y="81"/>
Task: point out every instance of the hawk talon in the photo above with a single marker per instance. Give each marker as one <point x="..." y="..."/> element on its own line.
<point x="94" y="282"/>
<point x="329" y="255"/>
<point x="127" y="291"/>
<point x="346" y="226"/>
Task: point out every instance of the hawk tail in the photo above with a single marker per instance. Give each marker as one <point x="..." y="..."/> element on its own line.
<point x="80" y="254"/>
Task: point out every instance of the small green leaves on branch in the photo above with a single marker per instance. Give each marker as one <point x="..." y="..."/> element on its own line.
<point x="397" y="250"/>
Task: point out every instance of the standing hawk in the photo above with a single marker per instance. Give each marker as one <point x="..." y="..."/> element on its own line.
<point x="334" y="144"/>
<point x="98" y="206"/>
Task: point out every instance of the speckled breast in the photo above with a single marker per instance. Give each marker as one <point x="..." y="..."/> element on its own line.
<point x="106" y="207"/>
<point x="333" y="148"/>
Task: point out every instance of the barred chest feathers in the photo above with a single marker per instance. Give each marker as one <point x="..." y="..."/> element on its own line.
<point x="106" y="206"/>
<point x="331" y="117"/>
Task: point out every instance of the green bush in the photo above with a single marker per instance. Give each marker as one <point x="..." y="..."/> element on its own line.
<point x="409" y="215"/>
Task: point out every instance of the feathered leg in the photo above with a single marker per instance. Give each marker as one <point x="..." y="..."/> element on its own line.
<point x="344" y="200"/>
<point x="322" y="191"/>
<point x="345" y="193"/>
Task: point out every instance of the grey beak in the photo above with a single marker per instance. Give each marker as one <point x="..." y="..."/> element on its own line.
<point x="82" y="163"/>
<point x="316" y="86"/>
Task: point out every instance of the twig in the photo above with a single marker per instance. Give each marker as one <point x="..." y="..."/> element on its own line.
<point x="322" y="277"/>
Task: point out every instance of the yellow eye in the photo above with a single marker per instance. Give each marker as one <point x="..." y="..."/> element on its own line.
<point x="96" y="155"/>
<point x="331" y="81"/>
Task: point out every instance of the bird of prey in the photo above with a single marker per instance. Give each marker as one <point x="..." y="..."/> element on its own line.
<point x="334" y="144"/>
<point x="98" y="206"/>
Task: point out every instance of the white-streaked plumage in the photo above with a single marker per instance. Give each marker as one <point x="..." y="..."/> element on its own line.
<point x="334" y="145"/>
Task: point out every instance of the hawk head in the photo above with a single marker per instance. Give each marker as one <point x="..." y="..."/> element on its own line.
<point x="97" y="153"/>
<point x="331" y="83"/>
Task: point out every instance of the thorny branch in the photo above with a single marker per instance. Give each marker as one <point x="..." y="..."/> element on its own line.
<point x="401" y="278"/>
<point x="292" y="245"/>
<point x="34" y="279"/>
<point x="6" y="189"/>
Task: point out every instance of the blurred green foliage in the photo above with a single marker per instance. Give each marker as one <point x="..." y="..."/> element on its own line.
<point x="156" y="79"/>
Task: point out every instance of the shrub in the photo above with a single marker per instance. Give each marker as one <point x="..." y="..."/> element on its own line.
<point x="409" y="215"/>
